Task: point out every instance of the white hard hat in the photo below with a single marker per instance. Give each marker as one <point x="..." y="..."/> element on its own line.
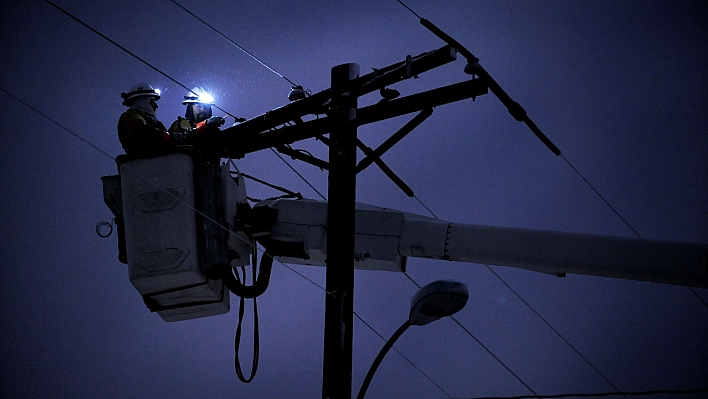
<point x="198" y="95"/>
<point x="139" y="90"/>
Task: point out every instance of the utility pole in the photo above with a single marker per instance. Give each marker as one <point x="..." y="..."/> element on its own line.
<point x="339" y="302"/>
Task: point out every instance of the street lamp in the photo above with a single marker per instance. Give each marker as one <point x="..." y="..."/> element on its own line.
<point x="438" y="299"/>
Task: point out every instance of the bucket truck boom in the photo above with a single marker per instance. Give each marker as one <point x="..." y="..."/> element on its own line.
<point x="386" y="237"/>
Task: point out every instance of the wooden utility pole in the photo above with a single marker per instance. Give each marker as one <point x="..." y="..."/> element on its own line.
<point x="339" y="303"/>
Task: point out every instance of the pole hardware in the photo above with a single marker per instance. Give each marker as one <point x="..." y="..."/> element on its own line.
<point x="302" y="156"/>
<point x="395" y="138"/>
<point x="245" y="144"/>
<point x="315" y="104"/>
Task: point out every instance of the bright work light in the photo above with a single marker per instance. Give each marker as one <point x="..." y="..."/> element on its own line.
<point x="206" y="98"/>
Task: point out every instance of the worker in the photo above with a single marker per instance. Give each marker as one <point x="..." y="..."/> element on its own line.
<point x="198" y="115"/>
<point x="198" y="124"/>
<point x="139" y="131"/>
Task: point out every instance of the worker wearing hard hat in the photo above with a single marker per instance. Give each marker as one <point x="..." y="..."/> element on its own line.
<point x="139" y="131"/>
<point x="198" y="119"/>
<point x="198" y="114"/>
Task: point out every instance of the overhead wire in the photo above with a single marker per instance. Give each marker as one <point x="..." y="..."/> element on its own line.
<point x="589" y="184"/>
<point x="312" y="187"/>
<point x="232" y="42"/>
<point x="298" y="173"/>
<point x="493" y="355"/>
<point x="601" y="394"/>
<point x="553" y="328"/>
<point x="409" y="9"/>
<point x="236" y="360"/>
<point x="700" y="298"/>
<point x="601" y="197"/>
<point x="167" y="76"/>
<point x="266" y="66"/>
<point x="129" y="52"/>
<point x="426" y="207"/>
<point x="516" y="293"/>
<point x="404" y="356"/>
<point x="110" y="156"/>
<point x="151" y="66"/>
<point x="87" y="142"/>
<point x="636" y="233"/>
<point x="619" y="215"/>
<point x="179" y="199"/>
<point x="82" y="139"/>
<point x="28" y="105"/>
<point x="323" y="197"/>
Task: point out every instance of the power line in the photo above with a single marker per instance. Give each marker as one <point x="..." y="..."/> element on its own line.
<point x="313" y="188"/>
<point x="699" y="297"/>
<point x="409" y="9"/>
<point x="233" y="42"/>
<point x="491" y="353"/>
<point x="165" y="75"/>
<point x="426" y="207"/>
<point x="601" y="197"/>
<point x="208" y="218"/>
<point x="129" y="52"/>
<point x="532" y="309"/>
<point x="468" y="331"/>
<point x="194" y="209"/>
<point x="298" y="173"/>
<point x="553" y="329"/>
<point x="404" y="356"/>
<point x="567" y="161"/>
<point x="228" y="39"/>
<point x="77" y="136"/>
<point x="271" y="149"/>
<point x="705" y="304"/>
<point x="592" y="395"/>
<point x="509" y="287"/>
<point x="26" y="104"/>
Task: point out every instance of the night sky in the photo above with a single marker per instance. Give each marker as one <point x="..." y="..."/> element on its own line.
<point x="619" y="86"/>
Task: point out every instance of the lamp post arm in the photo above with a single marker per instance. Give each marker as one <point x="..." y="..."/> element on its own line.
<point x="379" y="358"/>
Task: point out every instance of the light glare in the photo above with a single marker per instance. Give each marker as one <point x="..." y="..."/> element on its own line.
<point x="206" y="98"/>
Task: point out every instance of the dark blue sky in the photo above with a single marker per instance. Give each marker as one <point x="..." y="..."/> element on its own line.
<point x="620" y="87"/>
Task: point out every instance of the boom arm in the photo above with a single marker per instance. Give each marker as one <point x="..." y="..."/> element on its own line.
<point x="386" y="237"/>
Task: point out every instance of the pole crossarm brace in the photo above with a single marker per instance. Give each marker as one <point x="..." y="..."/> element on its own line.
<point x="319" y="103"/>
<point x="373" y="156"/>
<point x="239" y="145"/>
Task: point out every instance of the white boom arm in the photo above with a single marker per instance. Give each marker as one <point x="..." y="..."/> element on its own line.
<point x="385" y="237"/>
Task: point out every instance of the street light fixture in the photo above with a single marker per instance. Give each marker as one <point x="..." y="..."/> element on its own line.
<point x="436" y="300"/>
